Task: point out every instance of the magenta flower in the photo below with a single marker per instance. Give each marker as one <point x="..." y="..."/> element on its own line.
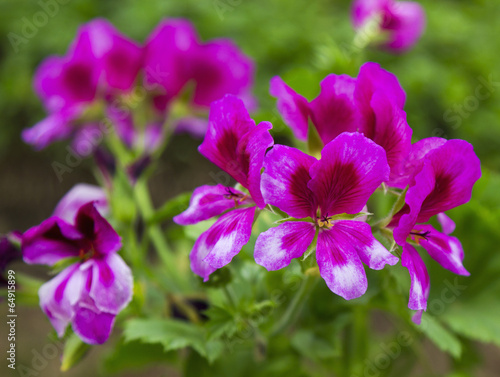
<point x="236" y="145"/>
<point x="175" y="57"/>
<point x="99" y="64"/>
<point x="90" y="292"/>
<point x="441" y="175"/>
<point x="372" y="104"/>
<point x="350" y="169"/>
<point x="402" y="21"/>
<point x="80" y="194"/>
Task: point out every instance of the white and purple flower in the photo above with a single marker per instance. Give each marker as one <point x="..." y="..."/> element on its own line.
<point x="349" y="171"/>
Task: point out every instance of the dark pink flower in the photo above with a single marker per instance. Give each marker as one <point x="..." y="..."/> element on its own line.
<point x="350" y="169"/>
<point x="371" y="104"/>
<point x="402" y="21"/>
<point x="440" y="175"/>
<point x="236" y="145"/>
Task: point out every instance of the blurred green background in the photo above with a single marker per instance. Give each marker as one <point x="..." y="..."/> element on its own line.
<point x="302" y="40"/>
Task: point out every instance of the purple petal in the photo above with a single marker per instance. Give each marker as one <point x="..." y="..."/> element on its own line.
<point x="406" y="23"/>
<point x="59" y="295"/>
<point x="79" y="195"/>
<point x="340" y="265"/>
<point x="444" y="182"/>
<point x="207" y="202"/>
<point x="334" y="110"/>
<point x="53" y="128"/>
<point x="111" y="288"/>
<point x="228" y="235"/>
<point x="251" y="151"/>
<point x="293" y="107"/>
<point x="420" y="284"/>
<point x="123" y="120"/>
<point x="370" y="251"/>
<point x="284" y="181"/>
<point x="120" y="58"/>
<point x="104" y="238"/>
<point x="401" y="176"/>
<point x="197" y="257"/>
<point x="350" y="169"/>
<point x="276" y="247"/>
<point x="168" y="52"/>
<point x="372" y="78"/>
<point x="52" y="240"/>
<point x="220" y="68"/>
<point x="447" y="224"/>
<point x="444" y="249"/>
<point x="391" y="132"/>
<point x="93" y="327"/>
<point x="236" y="145"/>
<point x="362" y="10"/>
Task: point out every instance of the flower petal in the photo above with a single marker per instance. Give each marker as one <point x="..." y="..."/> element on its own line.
<point x="207" y="202"/>
<point x="112" y="283"/>
<point x="52" y="240"/>
<point x="219" y="68"/>
<point x="53" y="128"/>
<point x="407" y="23"/>
<point x="350" y="169"/>
<point x="276" y="247"/>
<point x="293" y="107"/>
<point x="447" y="224"/>
<point x="334" y="110"/>
<point x="444" y="249"/>
<point x="89" y="222"/>
<point x="200" y="250"/>
<point x="339" y="264"/>
<point x="58" y="296"/>
<point x="284" y="181"/>
<point x="228" y="123"/>
<point x="120" y="58"/>
<point x="228" y="235"/>
<point x="93" y="327"/>
<point x="370" y="251"/>
<point x="420" y="284"/>
<point x="168" y="51"/>
<point x="391" y="132"/>
<point x="79" y="195"/>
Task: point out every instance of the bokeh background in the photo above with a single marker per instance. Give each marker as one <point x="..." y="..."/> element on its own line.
<point x="452" y="81"/>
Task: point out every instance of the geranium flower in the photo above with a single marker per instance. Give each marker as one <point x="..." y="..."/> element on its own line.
<point x="236" y="145"/>
<point x="95" y="288"/>
<point x="350" y="169"/>
<point x="99" y="64"/>
<point x="441" y="175"/>
<point x="371" y="104"/>
<point x="403" y="22"/>
<point x="175" y="57"/>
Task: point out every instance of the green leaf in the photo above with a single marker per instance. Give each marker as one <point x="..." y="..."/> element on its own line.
<point x="477" y="319"/>
<point x="74" y="350"/>
<point x="310" y="345"/>
<point x="440" y="336"/>
<point x="63" y="263"/>
<point x="172" y="334"/>
<point x="221" y="322"/>
<point x="135" y="355"/>
<point x="171" y="208"/>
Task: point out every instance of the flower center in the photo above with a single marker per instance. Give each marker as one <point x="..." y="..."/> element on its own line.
<point x="325" y="221"/>
<point x="85" y="255"/>
<point x="238" y="198"/>
<point x="419" y="236"/>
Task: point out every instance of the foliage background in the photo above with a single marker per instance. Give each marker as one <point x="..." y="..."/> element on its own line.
<point x="302" y="41"/>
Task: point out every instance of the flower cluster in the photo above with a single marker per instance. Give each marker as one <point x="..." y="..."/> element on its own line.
<point x="367" y="142"/>
<point x="103" y="70"/>
<point x="362" y="140"/>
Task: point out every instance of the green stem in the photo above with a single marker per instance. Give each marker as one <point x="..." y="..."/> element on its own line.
<point x="156" y="236"/>
<point x="293" y="310"/>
